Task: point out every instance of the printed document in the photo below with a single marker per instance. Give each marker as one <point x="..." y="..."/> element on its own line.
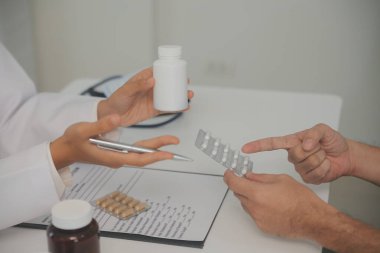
<point x="183" y="205"/>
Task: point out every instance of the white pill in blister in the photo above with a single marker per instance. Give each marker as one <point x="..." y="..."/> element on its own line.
<point x="205" y="144"/>
<point x="216" y="145"/>
<point x="222" y="153"/>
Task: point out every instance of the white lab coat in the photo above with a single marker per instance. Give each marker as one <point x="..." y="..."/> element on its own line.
<point x="29" y="183"/>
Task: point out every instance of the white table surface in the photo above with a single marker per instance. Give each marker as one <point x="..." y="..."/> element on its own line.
<point x="236" y="116"/>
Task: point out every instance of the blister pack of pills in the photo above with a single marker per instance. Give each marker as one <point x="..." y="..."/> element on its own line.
<point x="121" y="205"/>
<point x="223" y="154"/>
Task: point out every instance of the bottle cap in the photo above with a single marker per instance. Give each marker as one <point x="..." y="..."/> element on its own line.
<point x="71" y="214"/>
<point x="169" y="51"/>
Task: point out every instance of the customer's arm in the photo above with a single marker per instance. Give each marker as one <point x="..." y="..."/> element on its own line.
<point x="341" y="233"/>
<point x="366" y="161"/>
<point x="282" y="206"/>
<point x="319" y="154"/>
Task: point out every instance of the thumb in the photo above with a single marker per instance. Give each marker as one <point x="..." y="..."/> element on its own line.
<point x="140" y="85"/>
<point x="104" y="125"/>
<point x="313" y="136"/>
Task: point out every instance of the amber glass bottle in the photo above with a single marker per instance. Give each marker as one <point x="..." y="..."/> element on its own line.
<point x="73" y="230"/>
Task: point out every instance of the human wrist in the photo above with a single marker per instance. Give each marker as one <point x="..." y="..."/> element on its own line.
<point x="318" y="221"/>
<point x="341" y="233"/>
<point x="365" y="161"/>
<point x="353" y="157"/>
<point x="359" y="156"/>
<point x="326" y="232"/>
<point x="60" y="153"/>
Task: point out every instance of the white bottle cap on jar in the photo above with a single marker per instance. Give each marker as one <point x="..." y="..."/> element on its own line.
<point x="169" y="51"/>
<point x="71" y="214"/>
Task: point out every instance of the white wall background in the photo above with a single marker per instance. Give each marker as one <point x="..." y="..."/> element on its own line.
<point x="16" y="32"/>
<point x="319" y="46"/>
<point x="90" y="38"/>
<point x="313" y="46"/>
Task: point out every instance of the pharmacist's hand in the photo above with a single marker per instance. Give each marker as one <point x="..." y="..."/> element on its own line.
<point x="74" y="146"/>
<point x="319" y="154"/>
<point x="277" y="203"/>
<point x="134" y="100"/>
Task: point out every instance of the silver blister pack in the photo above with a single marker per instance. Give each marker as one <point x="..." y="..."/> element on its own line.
<point x="223" y="154"/>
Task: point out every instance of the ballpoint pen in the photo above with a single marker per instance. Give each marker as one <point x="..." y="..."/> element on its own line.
<point x="126" y="148"/>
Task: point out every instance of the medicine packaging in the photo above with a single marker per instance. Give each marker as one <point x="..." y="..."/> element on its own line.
<point x="121" y="205"/>
<point x="223" y="153"/>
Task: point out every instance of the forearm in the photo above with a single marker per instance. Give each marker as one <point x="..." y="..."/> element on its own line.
<point x="343" y="234"/>
<point x="366" y="161"/>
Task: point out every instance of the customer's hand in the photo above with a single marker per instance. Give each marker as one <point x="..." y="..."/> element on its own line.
<point x="74" y="146"/>
<point x="278" y="204"/>
<point x="134" y="100"/>
<point x="319" y="154"/>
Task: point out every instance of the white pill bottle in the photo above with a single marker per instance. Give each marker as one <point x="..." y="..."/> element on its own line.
<point x="169" y="72"/>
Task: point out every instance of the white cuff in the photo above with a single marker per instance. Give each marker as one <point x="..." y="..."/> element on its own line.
<point x="62" y="177"/>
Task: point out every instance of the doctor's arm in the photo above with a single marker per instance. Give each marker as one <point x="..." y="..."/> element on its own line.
<point x="45" y="116"/>
<point x="74" y="146"/>
<point x="29" y="179"/>
<point x="29" y="118"/>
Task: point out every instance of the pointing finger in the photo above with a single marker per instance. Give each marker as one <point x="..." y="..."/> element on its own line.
<point x="271" y="143"/>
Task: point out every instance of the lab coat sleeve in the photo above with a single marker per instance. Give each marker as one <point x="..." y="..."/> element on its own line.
<point x="28" y="118"/>
<point x="43" y="117"/>
<point x="29" y="184"/>
<point x="27" y="188"/>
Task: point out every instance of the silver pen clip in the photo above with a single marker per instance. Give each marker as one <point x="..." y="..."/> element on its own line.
<point x="113" y="149"/>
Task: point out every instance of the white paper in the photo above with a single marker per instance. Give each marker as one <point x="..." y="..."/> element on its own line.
<point x="183" y="205"/>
